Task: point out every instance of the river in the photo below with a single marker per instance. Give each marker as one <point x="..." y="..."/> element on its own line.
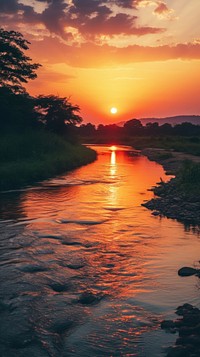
<point x="86" y="270"/>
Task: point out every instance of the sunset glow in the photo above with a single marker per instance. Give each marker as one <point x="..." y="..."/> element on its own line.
<point x="142" y="55"/>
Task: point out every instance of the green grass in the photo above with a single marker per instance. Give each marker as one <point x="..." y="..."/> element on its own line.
<point x="33" y="156"/>
<point x="189" y="177"/>
<point x="182" y="144"/>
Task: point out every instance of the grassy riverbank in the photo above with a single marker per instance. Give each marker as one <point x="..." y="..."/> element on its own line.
<point x="189" y="145"/>
<point x="33" y="156"/>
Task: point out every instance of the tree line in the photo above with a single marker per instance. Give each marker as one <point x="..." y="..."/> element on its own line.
<point x="19" y="110"/>
<point x="134" y="127"/>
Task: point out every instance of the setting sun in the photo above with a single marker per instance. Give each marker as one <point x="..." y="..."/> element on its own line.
<point x="113" y="110"/>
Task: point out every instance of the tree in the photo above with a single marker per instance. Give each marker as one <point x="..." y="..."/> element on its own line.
<point x="15" y="68"/>
<point x="56" y="113"/>
<point x="87" y="129"/>
<point x="185" y="129"/>
<point x="17" y="111"/>
<point x="133" y="127"/>
<point x="152" y="128"/>
<point x="166" y="129"/>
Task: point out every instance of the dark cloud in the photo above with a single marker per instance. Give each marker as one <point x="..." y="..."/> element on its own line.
<point x="8" y="7"/>
<point x="90" y="18"/>
<point x="103" y="25"/>
<point x="129" y="4"/>
<point x="120" y="24"/>
<point x="54" y="17"/>
<point x="87" y="7"/>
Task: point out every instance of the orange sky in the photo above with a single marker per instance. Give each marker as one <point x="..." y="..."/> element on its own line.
<point x="140" y="56"/>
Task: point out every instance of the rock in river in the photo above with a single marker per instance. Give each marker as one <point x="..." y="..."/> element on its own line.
<point x="187" y="271"/>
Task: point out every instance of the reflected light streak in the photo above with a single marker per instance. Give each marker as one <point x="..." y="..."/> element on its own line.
<point x="113" y="158"/>
<point x="113" y="164"/>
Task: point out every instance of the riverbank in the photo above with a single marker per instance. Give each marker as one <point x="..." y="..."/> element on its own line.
<point x="37" y="155"/>
<point x="188" y="328"/>
<point x="180" y="197"/>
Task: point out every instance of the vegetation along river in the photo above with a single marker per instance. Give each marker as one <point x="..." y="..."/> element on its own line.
<point x="85" y="269"/>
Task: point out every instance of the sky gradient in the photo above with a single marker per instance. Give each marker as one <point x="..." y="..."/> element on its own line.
<point x="140" y="56"/>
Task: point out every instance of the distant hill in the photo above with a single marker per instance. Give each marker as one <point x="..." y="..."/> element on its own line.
<point x="194" y="119"/>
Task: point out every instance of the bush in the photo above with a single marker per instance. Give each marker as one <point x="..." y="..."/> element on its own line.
<point x="33" y="156"/>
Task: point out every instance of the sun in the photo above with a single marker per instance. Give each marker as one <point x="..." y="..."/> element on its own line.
<point x="113" y="110"/>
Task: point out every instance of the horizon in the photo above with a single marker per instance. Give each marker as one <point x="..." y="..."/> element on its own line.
<point x="141" y="57"/>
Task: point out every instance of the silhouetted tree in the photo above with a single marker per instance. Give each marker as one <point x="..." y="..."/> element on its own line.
<point x="185" y="129"/>
<point x="17" y="111"/>
<point x="87" y="129"/>
<point x="56" y="113"/>
<point x="166" y="129"/>
<point x="152" y="128"/>
<point x="15" y="68"/>
<point x="133" y="127"/>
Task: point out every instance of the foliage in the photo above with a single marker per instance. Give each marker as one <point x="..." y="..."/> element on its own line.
<point x="189" y="175"/>
<point x="153" y="134"/>
<point x="55" y="112"/>
<point x="133" y="126"/>
<point x="17" y="111"/>
<point x="15" y="67"/>
<point x="38" y="155"/>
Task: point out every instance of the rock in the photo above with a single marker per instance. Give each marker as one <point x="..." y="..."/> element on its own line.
<point x="88" y="298"/>
<point x="61" y="326"/>
<point x="155" y="213"/>
<point x="188" y="342"/>
<point x="31" y="268"/>
<point x="194" y="340"/>
<point x="58" y="287"/>
<point x="167" y="324"/>
<point x="184" y="309"/>
<point x="187" y="271"/>
<point x="75" y="266"/>
<point x="178" y="351"/>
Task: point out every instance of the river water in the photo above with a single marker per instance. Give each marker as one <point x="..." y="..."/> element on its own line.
<point x="85" y="269"/>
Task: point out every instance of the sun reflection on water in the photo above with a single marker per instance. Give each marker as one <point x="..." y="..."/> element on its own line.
<point x="113" y="148"/>
<point x="113" y="164"/>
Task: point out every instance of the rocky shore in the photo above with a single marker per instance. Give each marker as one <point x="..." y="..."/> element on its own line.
<point x="170" y="201"/>
<point x="174" y="203"/>
<point x="188" y="327"/>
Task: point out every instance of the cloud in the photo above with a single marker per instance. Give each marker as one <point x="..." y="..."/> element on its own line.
<point x="113" y="26"/>
<point x="162" y="10"/>
<point x="125" y="3"/>
<point x="90" y="19"/>
<point x="8" y="6"/>
<point x="53" y="17"/>
<point x="89" y="55"/>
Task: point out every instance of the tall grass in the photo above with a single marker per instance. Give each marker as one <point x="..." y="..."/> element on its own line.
<point x="33" y="156"/>
<point x="190" y="145"/>
<point x="189" y="177"/>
